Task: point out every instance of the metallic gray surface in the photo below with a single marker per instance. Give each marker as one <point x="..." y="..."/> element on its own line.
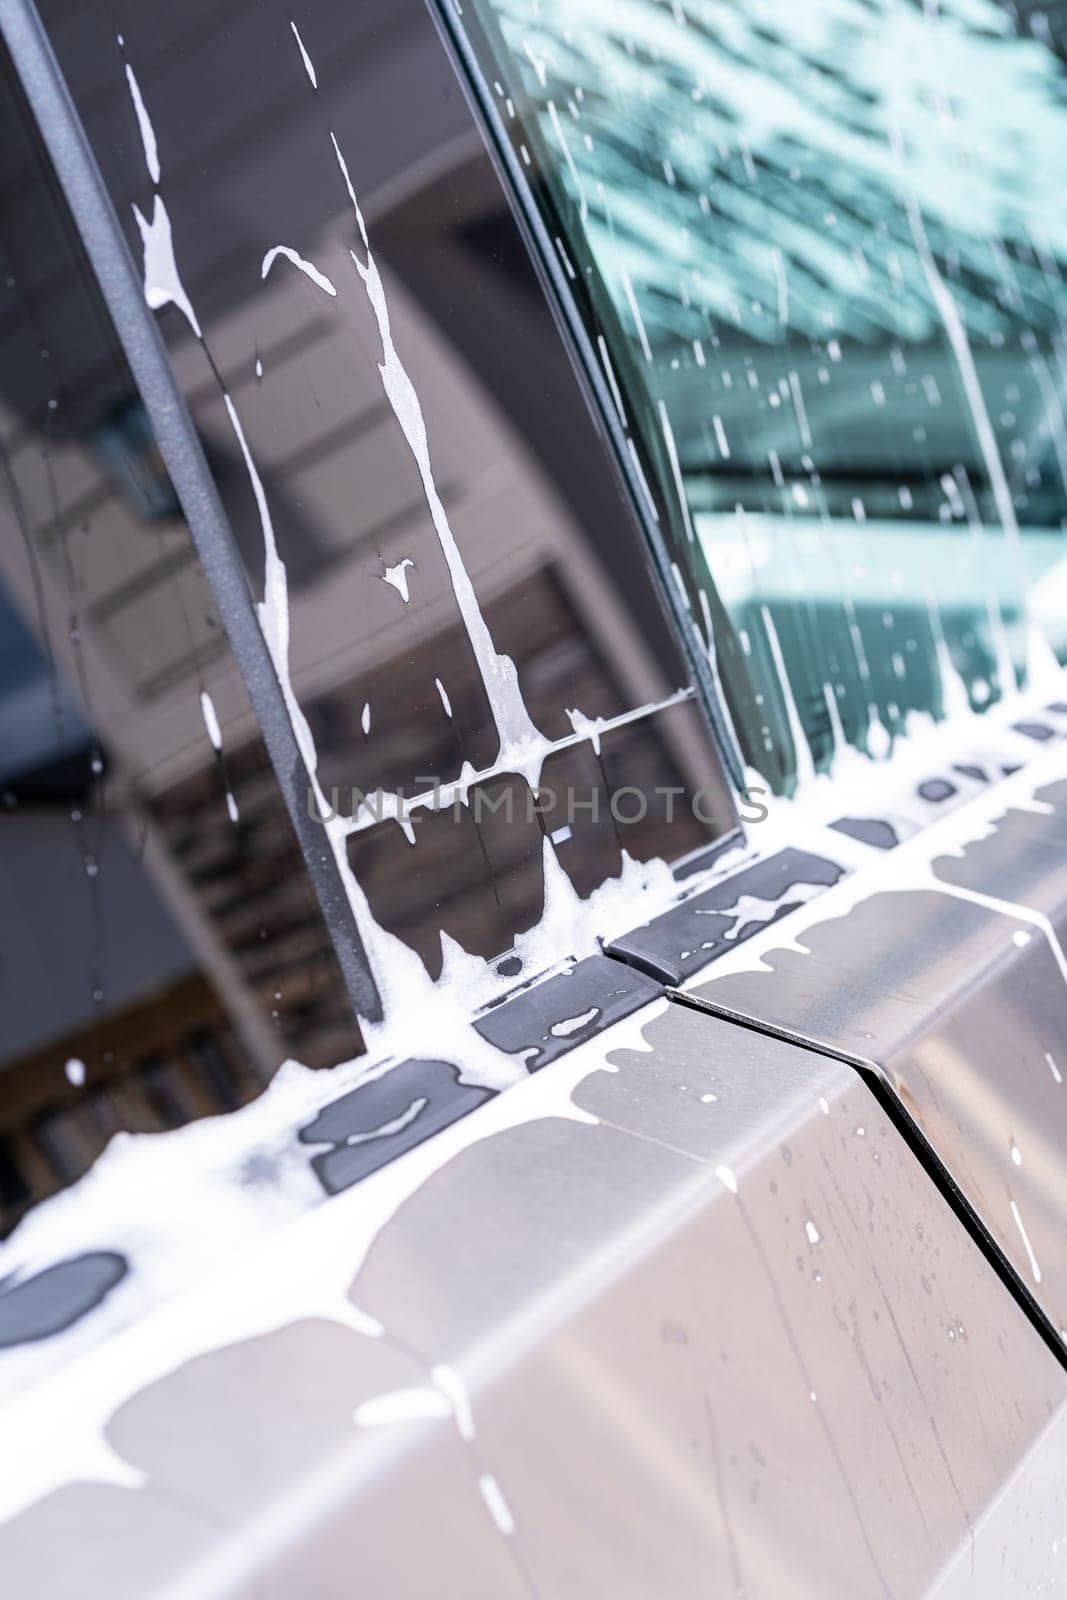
<point x="1020" y="1546"/>
<point x="814" y="1386"/>
<point x="99" y="1539"/>
<point x="678" y="943"/>
<point x="963" y="1005"/>
<point x="546" y="1021"/>
<point x="1023" y="860"/>
<point x="868" y="830"/>
<point x="44" y="1304"/>
<point x="379" y="1120"/>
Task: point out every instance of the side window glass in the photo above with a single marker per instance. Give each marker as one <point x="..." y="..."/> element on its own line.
<point x="161" y="951"/>
<point x="820" y="249"/>
<point x="502" y="742"/>
<point x="456" y="595"/>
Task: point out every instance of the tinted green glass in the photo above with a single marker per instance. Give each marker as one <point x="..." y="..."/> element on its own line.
<point x="821" y="248"/>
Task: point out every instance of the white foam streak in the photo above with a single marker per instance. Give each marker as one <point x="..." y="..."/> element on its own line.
<point x="308" y="268"/>
<point x="305" y="58"/>
<point x="385" y="804"/>
<point x="445" y="701"/>
<point x="593" y="728"/>
<point x="436" y="1018"/>
<point x="515" y="729"/>
<point x="496" y="1505"/>
<point x="162" y="284"/>
<point x="635" y="312"/>
<point x="397" y="578"/>
<point x="211" y="720"/>
<point x="749" y="908"/>
<point x="1037" y="646"/>
<point x="452" y="1386"/>
<point x="676" y="469"/>
<point x="805" y="766"/>
<point x="144" y="123"/>
<point x="402" y="1405"/>
<point x="569" y="1025"/>
<point x="576" y="178"/>
<point x="1035" y="1270"/>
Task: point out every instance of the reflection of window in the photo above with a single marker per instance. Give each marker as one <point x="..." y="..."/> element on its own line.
<point x="154" y="967"/>
<point x="822" y="249"/>
<point x="467" y="611"/>
<point x="477" y="613"/>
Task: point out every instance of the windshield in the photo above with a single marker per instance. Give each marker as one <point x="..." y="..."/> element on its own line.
<point x="821" y="251"/>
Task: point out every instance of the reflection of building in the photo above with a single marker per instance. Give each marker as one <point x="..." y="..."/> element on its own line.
<point x="156" y="1064"/>
<point x="826" y="248"/>
<point x="106" y="577"/>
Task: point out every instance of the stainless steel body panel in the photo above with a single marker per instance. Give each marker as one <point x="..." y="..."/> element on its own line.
<point x="953" y="983"/>
<point x="681" y="1315"/>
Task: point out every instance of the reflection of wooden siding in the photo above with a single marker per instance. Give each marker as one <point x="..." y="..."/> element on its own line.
<point x="171" y="1059"/>
<point x="157" y="1065"/>
<point x="250" y="882"/>
<point x="482" y="883"/>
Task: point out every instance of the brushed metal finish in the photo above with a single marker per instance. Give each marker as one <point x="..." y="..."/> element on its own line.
<point x="724" y="1339"/>
<point x="962" y="1002"/>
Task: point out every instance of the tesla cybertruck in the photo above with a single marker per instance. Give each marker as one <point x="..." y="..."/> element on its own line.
<point x="533" y="800"/>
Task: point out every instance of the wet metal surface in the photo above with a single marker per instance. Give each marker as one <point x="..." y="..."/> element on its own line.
<point x="961" y="999"/>
<point x="379" y="1120"/>
<point x="868" y="830"/>
<point x="681" y="1314"/>
<point x="550" y="1019"/>
<point x="1023" y="860"/>
<point x="45" y="1304"/>
<point x="725" y="1339"/>
<point x="686" y="938"/>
